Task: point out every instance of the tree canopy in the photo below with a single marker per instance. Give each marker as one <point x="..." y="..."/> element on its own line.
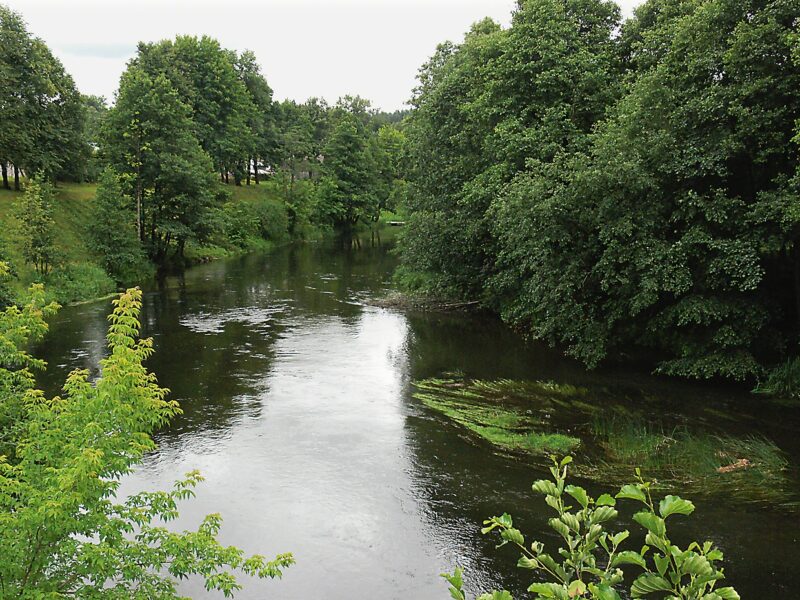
<point x="610" y="186"/>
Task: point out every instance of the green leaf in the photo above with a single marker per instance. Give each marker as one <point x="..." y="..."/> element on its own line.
<point x="549" y="590"/>
<point x="675" y="505"/>
<point x="545" y="486"/>
<point x="513" y="535"/>
<point x="727" y="593"/>
<point x="632" y="492"/>
<point x="604" y="592"/>
<point x="496" y="595"/>
<point x="602" y="514"/>
<point x="629" y="557"/>
<point x="652" y="522"/>
<point x="620" y="537"/>
<point x="648" y="583"/>
<point x="560" y="527"/>
<point x="697" y="565"/>
<point x="662" y="563"/>
<point x="606" y="500"/>
<point x="579" y="494"/>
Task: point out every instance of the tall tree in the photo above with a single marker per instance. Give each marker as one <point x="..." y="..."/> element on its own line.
<point x="261" y="114"/>
<point x="150" y="141"/>
<point x="347" y="189"/>
<point x="205" y="77"/>
<point x="43" y="116"/>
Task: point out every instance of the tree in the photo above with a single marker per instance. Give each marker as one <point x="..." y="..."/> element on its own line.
<point x="43" y="116"/>
<point x="112" y="230"/>
<point x="389" y="146"/>
<point x="261" y="114"/>
<point x="483" y="111"/>
<point x="150" y="142"/>
<point x="347" y="190"/>
<point x="690" y="195"/>
<point x="34" y="212"/>
<point x="96" y="111"/>
<point x="205" y="77"/>
<point x="62" y="529"/>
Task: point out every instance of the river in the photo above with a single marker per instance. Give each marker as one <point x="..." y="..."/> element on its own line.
<point x="299" y="413"/>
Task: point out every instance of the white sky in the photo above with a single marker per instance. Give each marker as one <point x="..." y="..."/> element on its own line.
<point x="325" y="48"/>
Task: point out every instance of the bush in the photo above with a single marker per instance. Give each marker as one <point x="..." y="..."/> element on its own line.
<point x="247" y="222"/>
<point x="64" y="532"/>
<point x="79" y="281"/>
<point x="588" y="566"/>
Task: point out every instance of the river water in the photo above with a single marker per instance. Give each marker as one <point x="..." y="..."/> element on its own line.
<point x="298" y="411"/>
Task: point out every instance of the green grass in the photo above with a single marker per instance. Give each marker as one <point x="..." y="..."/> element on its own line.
<point x="388" y="215"/>
<point x="748" y="467"/>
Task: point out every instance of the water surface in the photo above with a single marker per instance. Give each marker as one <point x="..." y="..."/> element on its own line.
<point x="298" y="411"/>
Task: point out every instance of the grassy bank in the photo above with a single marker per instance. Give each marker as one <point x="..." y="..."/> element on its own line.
<point x="252" y="219"/>
<point x="77" y="275"/>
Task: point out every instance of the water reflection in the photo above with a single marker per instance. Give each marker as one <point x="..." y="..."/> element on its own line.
<point x="299" y="412"/>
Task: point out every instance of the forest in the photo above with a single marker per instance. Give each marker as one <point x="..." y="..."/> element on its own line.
<point x="592" y="274"/>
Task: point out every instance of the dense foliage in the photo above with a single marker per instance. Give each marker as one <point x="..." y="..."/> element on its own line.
<point x="42" y="112"/>
<point x="63" y="530"/>
<point x="612" y="187"/>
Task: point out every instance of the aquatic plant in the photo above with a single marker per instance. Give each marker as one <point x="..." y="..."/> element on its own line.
<point x="589" y="564"/>
<point x="750" y="467"/>
<point x="782" y="382"/>
<point x="483" y="408"/>
<point x="535" y="419"/>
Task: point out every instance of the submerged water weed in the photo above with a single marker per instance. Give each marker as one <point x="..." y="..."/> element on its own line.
<point x="537" y="419"/>
<point x="484" y="408"/>
<point x="750" y="468"/>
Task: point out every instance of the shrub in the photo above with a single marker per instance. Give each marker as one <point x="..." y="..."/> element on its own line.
<point x="79" y="281"/>
<point x="589" y="564"/>
<point x="62" y="530"/>
<point x="245" y="222"/>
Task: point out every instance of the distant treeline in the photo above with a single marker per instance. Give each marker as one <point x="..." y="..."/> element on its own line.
<point x="618" y="189"/>
<point x="189" y="117"/>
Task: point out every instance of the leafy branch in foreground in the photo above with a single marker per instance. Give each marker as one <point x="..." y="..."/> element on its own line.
<point x="62" y="530"/>
<point x="589" y="563"/>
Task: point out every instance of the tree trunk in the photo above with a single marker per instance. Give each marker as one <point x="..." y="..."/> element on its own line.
<point x="16" y="178"/>
<point x="796" y="252"/>
<point x="248" y="171"/>
<point x="139" y="224"/>
<point x="222" y="176"/>
<point x="255" y="169"/>
<point x="5" y="175"/>
<point x="227" y="180"/>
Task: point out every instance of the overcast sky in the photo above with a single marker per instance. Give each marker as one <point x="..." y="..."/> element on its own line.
<point x="306" y="48"/>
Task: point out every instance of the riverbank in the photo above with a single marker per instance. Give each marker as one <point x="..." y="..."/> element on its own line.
<point x="78" y="275"/>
